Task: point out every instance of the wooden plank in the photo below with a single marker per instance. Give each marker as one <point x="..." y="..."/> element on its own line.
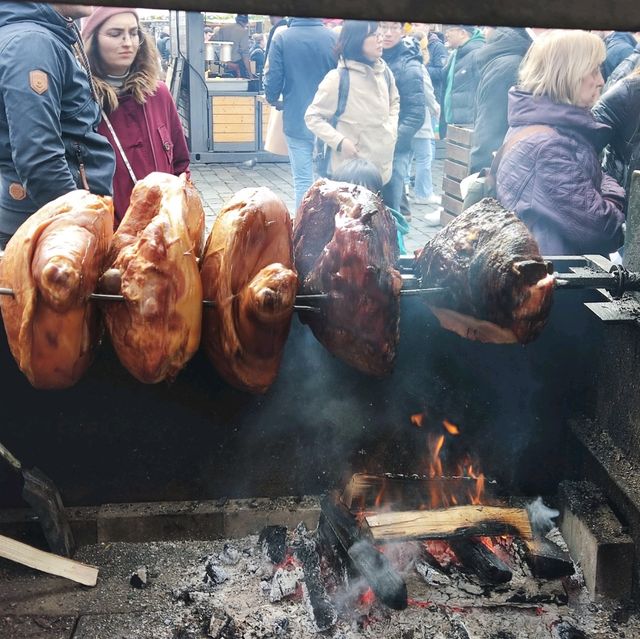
<point x="455" y="170"/>
<point x="475" y="520"/>
<point x="248" y="136"/>
<point x="237" y="120"/>
<point x="451" y="204"/>
<point x="461" y="135"/>
<point x="446" y="217"/>
<point x="231" y="100"/>
<point x="458" y="153"/>
<point x="242" y="109"/>
<point x="47" y="562"/>
<point x="451" y="187"/>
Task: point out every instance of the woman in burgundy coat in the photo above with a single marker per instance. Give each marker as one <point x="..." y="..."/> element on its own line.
<point x="139" y="116"/>
<point x="550" y="175"/>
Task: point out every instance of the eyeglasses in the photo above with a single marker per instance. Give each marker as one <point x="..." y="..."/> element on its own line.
<point x="389" y="27"/>
<point x="121" y="34"/>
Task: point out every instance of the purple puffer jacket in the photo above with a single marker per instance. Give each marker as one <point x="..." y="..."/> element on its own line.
<point x="553" y="181"/>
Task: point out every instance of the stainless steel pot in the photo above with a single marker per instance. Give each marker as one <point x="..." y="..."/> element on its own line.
<point x="218" y="51"/>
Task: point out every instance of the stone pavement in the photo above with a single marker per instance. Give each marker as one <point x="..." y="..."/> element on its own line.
<point x="217" y="182"/>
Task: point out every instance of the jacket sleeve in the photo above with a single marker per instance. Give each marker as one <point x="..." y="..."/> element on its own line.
<point x="437" y="62"/>
<point x="33" y="118"/>
<point x="491" y="123"/>
<point x="612" y="110"/>
<point x="394" y="103"/>
<point x="412" y="104"/>
<point x="430" y="97"/>
<point x="590" y="214"/>
<point x="322" y="109"/>
<point x="274" y="71"/>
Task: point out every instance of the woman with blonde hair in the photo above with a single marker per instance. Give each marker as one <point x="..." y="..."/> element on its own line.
<point x="549" y="173"/>
<point x="139" y="116"/>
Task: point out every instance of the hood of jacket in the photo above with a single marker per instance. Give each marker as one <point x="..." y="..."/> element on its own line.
<point x="526" y="109"/>
<point x="407" y="49"/>
<point x="42" y="14"/>
<point x="504" y="41"/>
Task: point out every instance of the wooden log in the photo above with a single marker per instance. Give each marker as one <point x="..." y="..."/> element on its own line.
<point x="479" y="559"/>
<point x="469" y="521"/>
<point x="547" y="560"/>
<point x="385" y="582"/>
<point x="47" y="562"/>
<point x="405" y="492"/>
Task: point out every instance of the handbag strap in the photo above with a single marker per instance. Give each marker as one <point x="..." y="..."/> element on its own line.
<point x="343" y="94"/>
<point x="116" y="139"/>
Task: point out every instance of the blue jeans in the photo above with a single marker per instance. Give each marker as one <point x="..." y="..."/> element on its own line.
<point x="301" y="159"/>
<point x="393" y="189"/>
<point x="423" y="153"/>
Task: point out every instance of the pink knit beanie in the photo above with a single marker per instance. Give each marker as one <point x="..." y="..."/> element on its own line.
<point x="100" y="15"/>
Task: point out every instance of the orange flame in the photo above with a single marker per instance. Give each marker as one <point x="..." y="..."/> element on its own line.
<point x="452" y="429"/>
<point x="417" y="420"/>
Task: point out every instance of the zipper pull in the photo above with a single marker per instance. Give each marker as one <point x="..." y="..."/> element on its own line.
<point x="81" y="168"/>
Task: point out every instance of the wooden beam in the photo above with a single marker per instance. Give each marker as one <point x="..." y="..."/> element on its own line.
<point x="47" y="562"/>
<point x="450" y="522"/>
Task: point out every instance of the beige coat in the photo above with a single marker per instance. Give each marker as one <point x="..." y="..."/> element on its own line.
<point x="370" y="118"/>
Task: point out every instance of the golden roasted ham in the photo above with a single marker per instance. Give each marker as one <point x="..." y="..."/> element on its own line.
<point x="345" y="247"/>
<point x="153" y="265"/>
<point x="52" y="263"/>
<point x="247" y="270"/>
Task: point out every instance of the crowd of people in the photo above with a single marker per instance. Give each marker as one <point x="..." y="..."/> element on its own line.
<point x="85" y="108"/>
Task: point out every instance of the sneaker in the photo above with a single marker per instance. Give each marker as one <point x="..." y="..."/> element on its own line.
<point x="432" y="199"/>
<point x="432" y="218"/>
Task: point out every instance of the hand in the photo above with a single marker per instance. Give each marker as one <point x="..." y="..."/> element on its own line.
<point x="348" y="149"/>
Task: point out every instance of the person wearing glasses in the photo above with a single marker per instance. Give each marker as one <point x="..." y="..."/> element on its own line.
<point x="404" y="58"/>
<point x="368" y="125"/>
<point x="139" y="116"/>
<point x="49" y="144"/>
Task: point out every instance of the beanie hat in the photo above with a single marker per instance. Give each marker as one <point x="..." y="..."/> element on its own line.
<point x="242" y="18"/>
<point x="101" y="15"/>
<point x="465" y="27"/>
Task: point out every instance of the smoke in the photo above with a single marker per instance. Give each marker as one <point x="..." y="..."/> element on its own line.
<point x="541" y="517"/>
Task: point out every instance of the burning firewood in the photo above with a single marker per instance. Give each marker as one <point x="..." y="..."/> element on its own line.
<point x="385" y="582"/>
<point x="470" y="521"/>
<point x="477" y="557"/>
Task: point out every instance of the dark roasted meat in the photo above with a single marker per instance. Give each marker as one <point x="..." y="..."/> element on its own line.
<point x="52" y="263"/>
<point x="247" y="271"/>
<point x="152" y="263"/>
<point x="345" y="246"/>
<point x="500" y="289"/>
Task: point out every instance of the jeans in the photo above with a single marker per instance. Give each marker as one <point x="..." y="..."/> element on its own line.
<point x="423" y="151"/>
<point x="301" y="159"/>
<point x="393" y="189"/>
<point x="4" y="238"/>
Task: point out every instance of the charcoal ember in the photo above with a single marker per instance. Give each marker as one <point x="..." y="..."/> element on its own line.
<point x="323" y="612"/>
<point x="281" y="627"/>
<point x="182" y="594"/>
<point x="285" y="582"/>
<point x="273" y="540"/>
<point x="221" y="625"/>
<point x="215" y="574"/>
<point x="139" y="578"/>
<point x="229" y="556"/>
<point x="566" y="630"/>
<point x="431" y="575"/>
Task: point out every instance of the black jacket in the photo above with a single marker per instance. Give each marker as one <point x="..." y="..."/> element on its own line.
<point x="438" y="57"/>
<point x="619" y="107"/>
<point x="405" y="62"/>
<point x="619" y="45"/>
<point x="462" y="97"/>
<point x="497" y="66"/>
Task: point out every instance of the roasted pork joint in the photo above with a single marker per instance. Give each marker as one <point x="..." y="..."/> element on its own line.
<point x="153" y="264"/>
<point x="52" y="263"/>
<point x="499" y="288"/>
<point x="247" y="271"/>
<point x="345" y="247"/>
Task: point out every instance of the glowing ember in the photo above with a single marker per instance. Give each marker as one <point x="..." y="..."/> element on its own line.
<point x="452" y="429"/>
<point x="367" y="598"/>
<point x="417" y="420"/>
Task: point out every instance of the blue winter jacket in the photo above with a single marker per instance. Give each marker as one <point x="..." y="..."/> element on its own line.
<point x="619" y="45"/>
<point x="48" y="118"/>
<point x="299" y="58"/>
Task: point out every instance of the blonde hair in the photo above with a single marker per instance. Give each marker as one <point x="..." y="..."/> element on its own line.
<point x="141" y="82"/>
<point x="558" y="61"/>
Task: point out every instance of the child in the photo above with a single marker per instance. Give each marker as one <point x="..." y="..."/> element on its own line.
<point x="365" y="173"/>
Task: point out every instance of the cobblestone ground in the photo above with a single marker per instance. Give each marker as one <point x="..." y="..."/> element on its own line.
<point x="217" y="182"/>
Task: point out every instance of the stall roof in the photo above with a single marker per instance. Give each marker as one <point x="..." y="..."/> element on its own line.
<point x="579" y="14"/>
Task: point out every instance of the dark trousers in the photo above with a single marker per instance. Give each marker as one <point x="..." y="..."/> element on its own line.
<point x="394" y="188"/>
